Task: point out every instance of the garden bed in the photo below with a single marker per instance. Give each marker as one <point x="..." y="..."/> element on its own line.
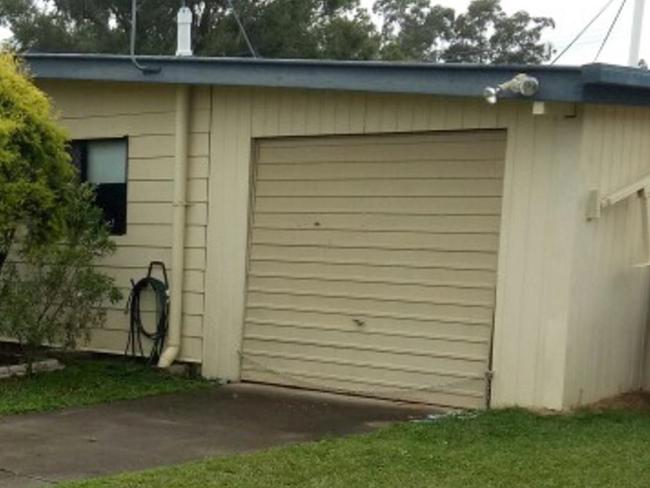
<point x="12" y="363"/>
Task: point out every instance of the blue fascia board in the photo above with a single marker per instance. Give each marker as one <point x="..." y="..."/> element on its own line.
<point x="604" y="74"/>
<point x="591" y="83"/>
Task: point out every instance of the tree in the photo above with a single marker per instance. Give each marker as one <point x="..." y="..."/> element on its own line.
<point x="486" y="34"/>
<point x="54" y="293"/>
<point x="277" y="28"/>
<point x="35" y="168"/>
<point x="414" y="30"/>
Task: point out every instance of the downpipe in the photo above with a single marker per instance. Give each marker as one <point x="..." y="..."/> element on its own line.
<point x="182" y="126"/>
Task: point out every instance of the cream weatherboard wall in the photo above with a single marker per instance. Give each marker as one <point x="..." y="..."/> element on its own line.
<point x="534" y="253"/>
<point x="609" y="293"/>
<point x="571" y="308"/>
<point x="145" y="113"/>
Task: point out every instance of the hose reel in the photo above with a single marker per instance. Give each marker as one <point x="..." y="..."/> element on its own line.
<point x="137" y="330"/>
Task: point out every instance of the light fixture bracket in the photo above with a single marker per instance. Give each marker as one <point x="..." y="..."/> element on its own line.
<point x="522" y="84"/>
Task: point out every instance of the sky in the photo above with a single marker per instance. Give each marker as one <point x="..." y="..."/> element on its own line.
<point x="570" y="17"/>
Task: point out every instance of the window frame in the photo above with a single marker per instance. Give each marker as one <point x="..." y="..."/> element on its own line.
<point x="83" y="144"/>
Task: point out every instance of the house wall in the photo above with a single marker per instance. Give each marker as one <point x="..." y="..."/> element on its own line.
<point x="145" y="113"/>
<point x="609" y="295"/>
<point x="535" y="249"/>
<point x="571" y="309"/>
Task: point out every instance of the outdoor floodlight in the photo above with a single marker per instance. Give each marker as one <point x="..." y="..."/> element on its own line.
<point x="522" y="84"/>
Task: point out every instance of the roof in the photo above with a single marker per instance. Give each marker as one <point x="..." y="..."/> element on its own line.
<point x="592" y="83"/>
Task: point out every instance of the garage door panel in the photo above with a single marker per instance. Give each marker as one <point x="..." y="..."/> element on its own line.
<point x="373" y="264"/>
<point x="485" y="168"/>
<point x="375" y="257"/>
<point x="470" y="398"/>
<point x="367" y="365"/>
<point x="374" y="205"/>
<point x="380" y="223"/>
<point x="376" y="291"/>
<point x="385" y="274"/>
<point x="401" y="326"/>
<point x="423" y="151"/>
<point x="458" y="187"/>
<point x="378" y="240"/>
<point x="372" y="357"/>
<point x="370" y="140"/>
<point x="458" y="313"/>
<point x="362" y="339"/>
<point x="373" y="379"/>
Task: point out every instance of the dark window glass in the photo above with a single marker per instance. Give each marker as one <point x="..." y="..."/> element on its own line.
<point x="103" y="163"/>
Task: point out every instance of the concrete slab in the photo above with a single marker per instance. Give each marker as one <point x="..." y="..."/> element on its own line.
<point x="170" y="429"/>
<point x="13" y="480"/>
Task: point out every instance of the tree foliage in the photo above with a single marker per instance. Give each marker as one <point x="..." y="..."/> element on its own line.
<point x="50" y="230"/>
<point x="54" y="293"/>
<point x="486" y="34"/>
<point x="34" y="164"/>
<point x="335" y="29"/>
<point x="278" y="28"/>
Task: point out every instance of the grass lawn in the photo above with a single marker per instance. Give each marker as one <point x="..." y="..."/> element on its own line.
<point x="87" y="382"/>
<point x="506" y="449"/>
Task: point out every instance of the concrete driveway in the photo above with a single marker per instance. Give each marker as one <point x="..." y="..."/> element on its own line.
<point x="40" y="449"/>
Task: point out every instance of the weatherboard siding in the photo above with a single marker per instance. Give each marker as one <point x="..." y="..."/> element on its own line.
<point x="609" y="293"/>
<point x="531" y="312"/>
<point x="145" y="113"/>
<point x="571" y="307"/>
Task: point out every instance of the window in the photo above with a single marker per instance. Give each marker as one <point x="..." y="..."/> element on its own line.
<point x="103" y="162"/>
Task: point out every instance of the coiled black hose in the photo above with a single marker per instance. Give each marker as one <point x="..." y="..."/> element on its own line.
<point x="137" y="330"/>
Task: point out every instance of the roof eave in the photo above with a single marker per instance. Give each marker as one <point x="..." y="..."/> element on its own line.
<point x="564" y="84"/>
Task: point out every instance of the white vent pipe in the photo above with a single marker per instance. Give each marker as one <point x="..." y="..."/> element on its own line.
<point x="637" y="31"/>
<point x="184" y="20"/>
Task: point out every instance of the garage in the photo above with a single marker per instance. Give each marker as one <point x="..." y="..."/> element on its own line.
<point x="337" y="223"/>
<point x="372" y="265"/>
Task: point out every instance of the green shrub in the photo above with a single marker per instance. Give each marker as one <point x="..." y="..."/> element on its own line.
<point x="54" y="293"/>
<point x="35" y="168"/>
<point x="51" y="233"/>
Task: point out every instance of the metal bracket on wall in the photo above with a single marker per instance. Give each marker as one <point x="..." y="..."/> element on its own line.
<point x="596" y="204"/>
<point x="593" y="205"/>
<point x="557" y="109"/>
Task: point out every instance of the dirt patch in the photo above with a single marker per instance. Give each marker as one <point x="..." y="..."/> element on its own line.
<point x="638" y="401"/>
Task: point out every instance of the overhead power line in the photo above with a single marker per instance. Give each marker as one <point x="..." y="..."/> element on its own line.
<point x="611" y="28"/>
<point x="242" y="29"/>
<point x="585" y="29"/>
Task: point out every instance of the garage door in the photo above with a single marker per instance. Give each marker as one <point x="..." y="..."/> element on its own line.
<point x="373" y="265"/>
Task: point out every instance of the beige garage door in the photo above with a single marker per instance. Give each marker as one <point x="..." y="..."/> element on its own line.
<point x="373" y="264"/>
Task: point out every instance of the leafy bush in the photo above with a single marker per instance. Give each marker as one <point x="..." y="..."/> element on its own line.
<point x="35" y="167"/>
<point x="51" y="233"/>
<point x="54" y="293"/>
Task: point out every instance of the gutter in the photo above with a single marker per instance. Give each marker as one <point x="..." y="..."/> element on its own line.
<point x="621" y="76"/>
<point x="466" y="80"/>
<point x="593" y="83"/>
<point x="182" y="131"/>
